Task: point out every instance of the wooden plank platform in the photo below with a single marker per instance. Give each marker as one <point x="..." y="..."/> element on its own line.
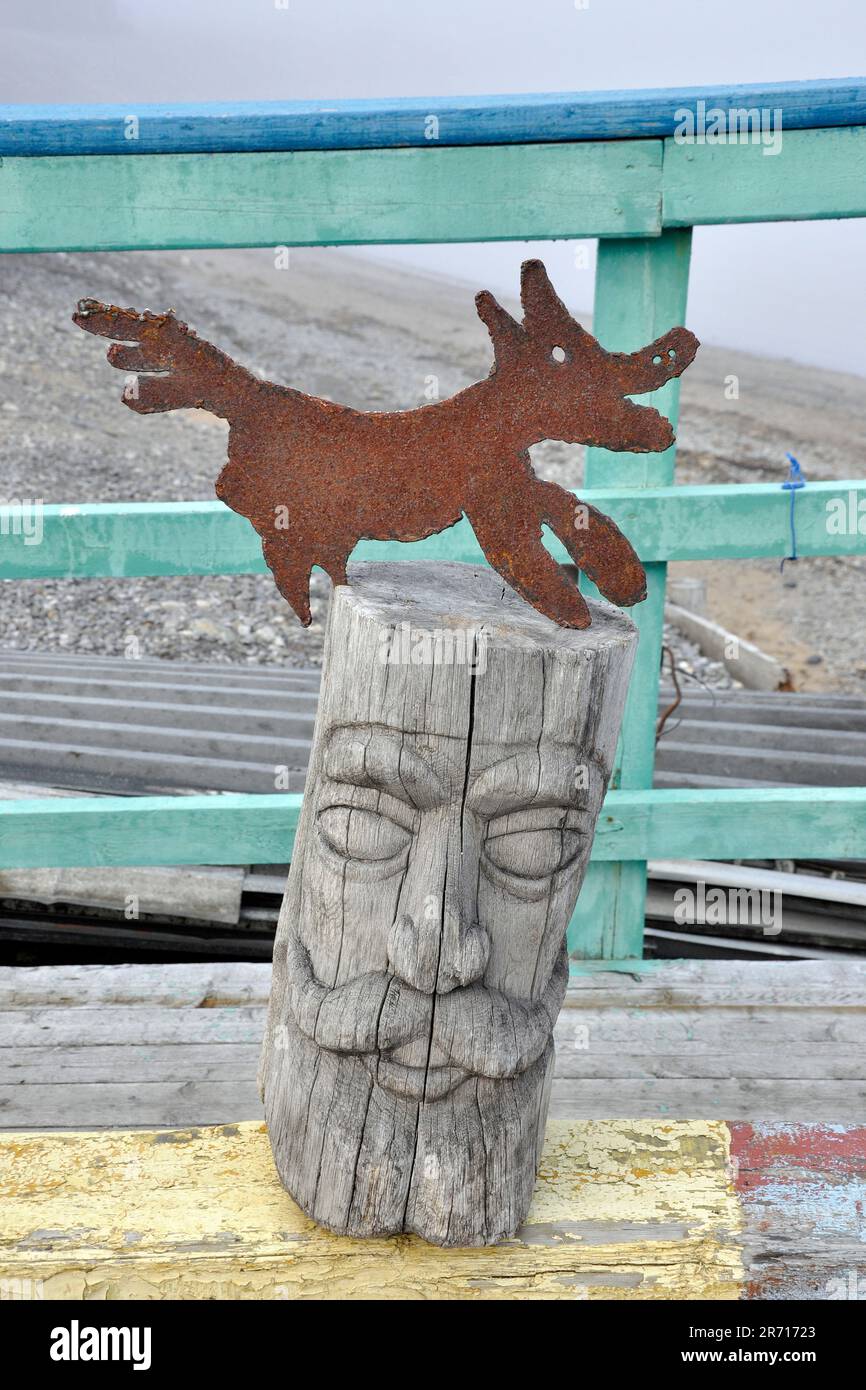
<point x="176" y="1045"/>
<point x="623" y="1209"/>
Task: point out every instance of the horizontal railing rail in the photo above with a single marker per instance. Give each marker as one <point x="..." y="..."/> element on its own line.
<point x="715" y="522"/>
<point x="245" y="828"/>
<point x="610" y="188"/>
<point x="461" y="120"/>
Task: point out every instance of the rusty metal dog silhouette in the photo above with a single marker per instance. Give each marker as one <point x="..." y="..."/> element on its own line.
<point x="315" y="477"/>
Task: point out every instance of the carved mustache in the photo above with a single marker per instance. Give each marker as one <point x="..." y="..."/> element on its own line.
<point x="480" y="1030"/>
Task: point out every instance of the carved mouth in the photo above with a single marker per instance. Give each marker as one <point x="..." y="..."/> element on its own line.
<point x="417" y="1083"/>
<point x="418" y="1070"/>
<point x="476" y="1031"/>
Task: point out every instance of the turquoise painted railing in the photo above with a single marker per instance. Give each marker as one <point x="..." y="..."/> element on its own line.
<point x="605" y="165"/>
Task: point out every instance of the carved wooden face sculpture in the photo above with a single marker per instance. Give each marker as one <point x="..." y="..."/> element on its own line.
<point x="420" y="966"/>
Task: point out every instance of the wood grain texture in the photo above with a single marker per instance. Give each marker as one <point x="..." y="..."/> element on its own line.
<point x="330" y="198"/>
<point x="203" y="127"/>
<point x="769" y="1098"/>
<point x="712" y="522"/>
<point x="462" y="749"/>
<point x="620" y="1211"/>
<point x="198" y="986"/>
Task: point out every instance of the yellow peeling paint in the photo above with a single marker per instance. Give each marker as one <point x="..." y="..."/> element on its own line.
<point x="622" y="1209"/>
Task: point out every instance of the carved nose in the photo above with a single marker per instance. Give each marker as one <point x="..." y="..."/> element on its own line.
<point x="435" y="957"/>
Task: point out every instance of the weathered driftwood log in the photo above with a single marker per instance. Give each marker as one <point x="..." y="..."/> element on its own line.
<point x="462" y="750"/>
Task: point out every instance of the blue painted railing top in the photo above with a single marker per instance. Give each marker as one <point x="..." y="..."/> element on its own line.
<point x="216" y="127"/>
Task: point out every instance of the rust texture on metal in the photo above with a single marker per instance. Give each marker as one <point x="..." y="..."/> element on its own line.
<point x="314" y="477"/>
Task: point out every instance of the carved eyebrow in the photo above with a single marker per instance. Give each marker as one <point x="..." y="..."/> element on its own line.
<point x="372" y="756"/>
<point x="505" y="785"/>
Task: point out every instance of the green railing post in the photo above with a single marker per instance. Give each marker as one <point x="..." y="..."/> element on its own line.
<point x="641" y="288"/>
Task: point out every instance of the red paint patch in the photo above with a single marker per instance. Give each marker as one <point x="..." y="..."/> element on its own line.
<point x="759" y="1152"/>
<point x="800" y="1192"/>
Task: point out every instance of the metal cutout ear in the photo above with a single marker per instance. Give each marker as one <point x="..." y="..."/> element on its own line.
<point x="506" y="334"/>
<point x="545" y="317"/>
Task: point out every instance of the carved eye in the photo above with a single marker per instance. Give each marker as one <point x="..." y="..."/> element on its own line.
<point x="354" y="833"/>
<point x="533" y="853"/>
<point x="559" y="354"/>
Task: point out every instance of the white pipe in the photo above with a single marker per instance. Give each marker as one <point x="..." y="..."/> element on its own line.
<point x="832" y="890"/>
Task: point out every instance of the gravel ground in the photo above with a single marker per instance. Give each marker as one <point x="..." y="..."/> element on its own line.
<point x="694" y="670"/>
<point x="349" y="329"/>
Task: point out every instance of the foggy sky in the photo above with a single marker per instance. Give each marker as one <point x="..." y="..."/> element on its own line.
<point x="796" y="290"/>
